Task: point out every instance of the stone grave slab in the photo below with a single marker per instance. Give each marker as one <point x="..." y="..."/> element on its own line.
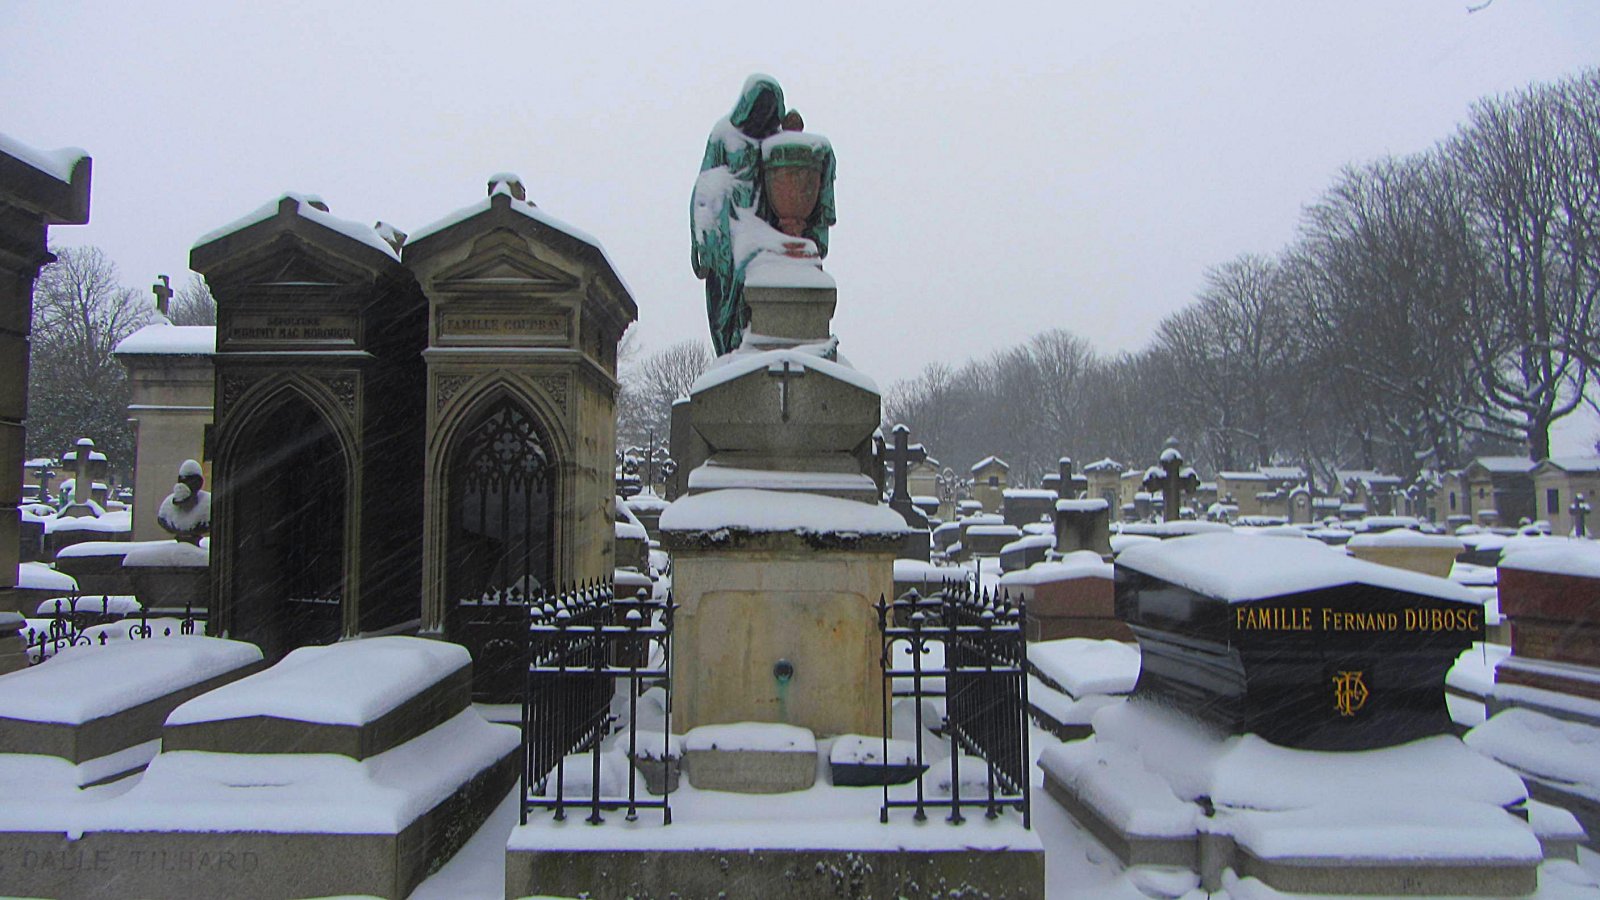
<point x="1025" y="551"/>
<point x="238" y="822"/>
<point x="1293" y="640"/>
<point x="97" y="565"/>
<point x="1159" y="787"/>
<point x="1073" y="678"/>
<point x="94" y="703"/>
<point x="987" y="540"/>
<point x="408" y="686"/>
<point x="750" y="758"/>
<point x="1022" y="506"/>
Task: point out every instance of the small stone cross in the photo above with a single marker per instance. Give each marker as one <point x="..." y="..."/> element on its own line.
<point x="905" y="455"/>
<point x="1172" y="478"/>
<point x="783" y="372"/>
<point x="163" y="291"/>
<point x="1580" y="513"/>
<point x="83" y="482"/>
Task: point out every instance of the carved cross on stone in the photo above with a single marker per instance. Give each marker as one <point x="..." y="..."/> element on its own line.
<point x="905" y="455"/>
<point x="783" y="372"/>
<point x="1172" y="478"/>
<point x="1580" y="515"/>
<point x="163" y="291"/>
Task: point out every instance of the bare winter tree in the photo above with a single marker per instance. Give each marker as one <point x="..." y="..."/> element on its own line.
<point x="650" y="387"/>
<point x="1533" y="204"/>
<point x="76" y="388"/>
<point x="1228" y="358"/>
<point x="1384" y="270"/>
<point x="193" y="303"/>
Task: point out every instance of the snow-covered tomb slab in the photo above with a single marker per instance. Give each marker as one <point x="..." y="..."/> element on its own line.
<point x="389" y="690"/>
<point x="1293" y="640"/>
<point x="294" y="822"/>
<point x="92" y="702"/>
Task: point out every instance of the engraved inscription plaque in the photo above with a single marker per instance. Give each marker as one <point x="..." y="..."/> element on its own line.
<point x="285" y="329"/>
<point x="504" y="326"/>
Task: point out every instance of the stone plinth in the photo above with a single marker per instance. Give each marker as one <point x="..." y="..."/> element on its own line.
<point x="1083" y="525"/>
<point x="1425" y="553"/>
<point x="749" y="601"/>
<point x="796" y="313"/>
<point x="779" y="874"/>
<point x="1025" y="507"/>
<point x="1068" y="601"/>
<point x="1552" y="597"/>
<point x="750" y="759"/>
<point x="987" y="540"/>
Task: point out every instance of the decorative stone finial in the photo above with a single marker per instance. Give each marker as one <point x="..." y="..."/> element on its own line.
<point x="512" y="183"/>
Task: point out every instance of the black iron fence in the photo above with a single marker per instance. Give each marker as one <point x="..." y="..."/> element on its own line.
<point x="982" y="679"/>
<point x="82" y="621"/>
<point x="579" y="645"/>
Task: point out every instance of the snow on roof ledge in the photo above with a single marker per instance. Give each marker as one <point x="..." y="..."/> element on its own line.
<point x="174" y="340"/>
<point x="58" y="164"/>
<point x="762" y="511"/>
<point x="1237" y="568"/>
<point x="293" y="203"/>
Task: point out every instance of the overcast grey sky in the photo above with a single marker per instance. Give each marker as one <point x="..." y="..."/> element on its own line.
<point x="1003" y="168"/>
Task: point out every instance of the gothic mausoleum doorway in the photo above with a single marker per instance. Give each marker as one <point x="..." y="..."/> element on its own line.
<point x="287" y="518"/>
<point x="500" y="537"/>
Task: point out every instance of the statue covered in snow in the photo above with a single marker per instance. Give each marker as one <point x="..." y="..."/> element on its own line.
<point x="765" y="186"/>
<point x="186" y="512"/>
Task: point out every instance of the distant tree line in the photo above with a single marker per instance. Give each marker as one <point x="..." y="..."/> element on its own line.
<point x="1432" y="307"/>
<point x="76" y="388"/>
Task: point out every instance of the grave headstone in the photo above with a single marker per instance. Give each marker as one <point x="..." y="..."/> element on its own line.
<point x="1083" y="525"/>
<point x="1293" y="640"/>
<point x="1172" y="479"/>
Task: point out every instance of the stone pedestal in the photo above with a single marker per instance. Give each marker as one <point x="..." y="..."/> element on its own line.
<point x="1083" y="525"/>
<point x="753" y="601"/>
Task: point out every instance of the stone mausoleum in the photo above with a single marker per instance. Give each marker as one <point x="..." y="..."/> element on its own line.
<point x="465" y="381"/>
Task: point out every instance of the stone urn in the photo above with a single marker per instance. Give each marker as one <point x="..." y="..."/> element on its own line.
<point x="793" y="163"/>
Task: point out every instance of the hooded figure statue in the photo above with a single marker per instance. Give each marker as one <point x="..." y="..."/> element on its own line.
<point x="728" y="193"/>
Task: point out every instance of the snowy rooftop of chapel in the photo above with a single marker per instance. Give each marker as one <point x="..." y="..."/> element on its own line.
<point x="175" y="340"/>
<point x="775" y="511"/>
<point x="1104" y="465"/>
<point x="1504" y="465"/>
<point x="1575" y="463"/>
<point x="1239" y="569"/>
<point x="58" y="164"/>
<point x="366" y="234"/>
<point x="525" y="207"/>
<point x="988" y="461"/>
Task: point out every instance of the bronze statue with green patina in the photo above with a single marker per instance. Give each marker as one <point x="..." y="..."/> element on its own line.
<point x="765" y="186"/>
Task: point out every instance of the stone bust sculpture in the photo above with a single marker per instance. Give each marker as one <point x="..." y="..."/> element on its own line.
<point x="765" y="185"/>
<point x="186" y="512"/>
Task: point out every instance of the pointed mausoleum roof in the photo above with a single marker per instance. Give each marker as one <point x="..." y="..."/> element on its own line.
<point x="434" y="247"/>
<point x="294" y="216"/>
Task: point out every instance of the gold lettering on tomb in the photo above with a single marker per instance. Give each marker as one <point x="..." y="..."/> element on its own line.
<point x="1305" y="618"/>
<point x="1349" y="693"/>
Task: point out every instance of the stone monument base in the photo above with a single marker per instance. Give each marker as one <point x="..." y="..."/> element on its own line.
<point x="780" y="626"/>
<point x="776" y="874"/>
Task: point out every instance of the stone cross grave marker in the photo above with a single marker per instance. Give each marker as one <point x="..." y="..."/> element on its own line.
<point x="906" y="455"/>
<point x="163" y="291"/>
<point x="1172" y="478"/>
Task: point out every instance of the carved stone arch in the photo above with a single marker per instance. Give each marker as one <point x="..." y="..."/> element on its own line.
<point x="499" y="475"/>
<point x="244" y="486"/>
